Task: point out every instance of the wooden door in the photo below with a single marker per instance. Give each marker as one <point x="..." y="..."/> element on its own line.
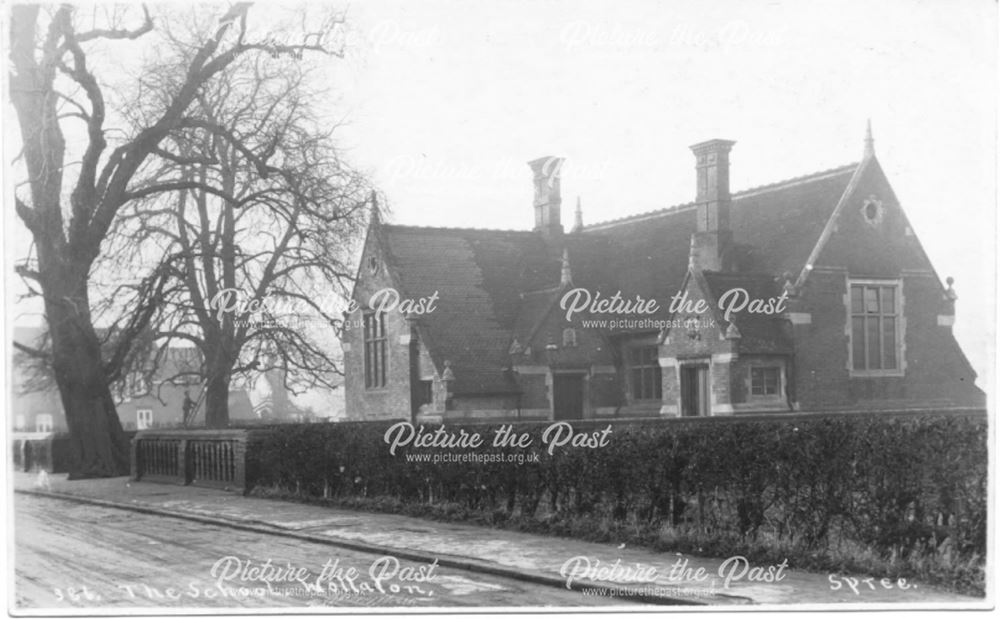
<point x="695" y="391"/>
<point x="567" y="393"/>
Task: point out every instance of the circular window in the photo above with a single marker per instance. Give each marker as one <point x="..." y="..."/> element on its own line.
<point x="873" y="211"/>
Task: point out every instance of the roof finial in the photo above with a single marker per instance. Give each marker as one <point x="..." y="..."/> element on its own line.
<point x="376" y="218"/>
<point x="869" y="140"/>
<point x="950" y="292"/>
<point x="566" y="276"/>
<point x="578" y="223"/>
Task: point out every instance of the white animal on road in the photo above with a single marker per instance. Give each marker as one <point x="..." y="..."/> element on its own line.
<point x="42" y="481"/>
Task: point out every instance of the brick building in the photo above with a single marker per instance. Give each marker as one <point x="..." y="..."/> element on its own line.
<point x="832" y="305"/>
<point x="156" y="399"/>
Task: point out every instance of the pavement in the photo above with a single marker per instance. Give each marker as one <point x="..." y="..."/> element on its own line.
<point x="634" y="574"/>
<point x="71" y="555"/>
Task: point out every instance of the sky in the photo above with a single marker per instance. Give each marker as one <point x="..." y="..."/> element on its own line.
<point x="443" y="102"/>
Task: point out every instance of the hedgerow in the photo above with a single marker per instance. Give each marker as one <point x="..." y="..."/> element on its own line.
<point x="881" y="495"/>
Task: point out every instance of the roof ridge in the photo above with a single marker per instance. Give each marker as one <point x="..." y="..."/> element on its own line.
<point x="831" y="220"/>
<point x="739" y="194"/>
<point x="738" y="274"/>
<point x="549" y="290"/>
<point x="667" y="210"/>
<point x="408" y="227"/>
<point x="798" y="179"/>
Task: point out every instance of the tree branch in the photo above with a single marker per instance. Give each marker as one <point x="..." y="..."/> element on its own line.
<point x="117" y="33"/>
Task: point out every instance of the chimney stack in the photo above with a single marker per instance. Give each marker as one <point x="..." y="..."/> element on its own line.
<point x="713" y="236"/>
<point x="548" y="198"/>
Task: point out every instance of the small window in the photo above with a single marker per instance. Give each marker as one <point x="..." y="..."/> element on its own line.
<point x="373" y="264"/>
<point x="569" y="337"/>
<point x="43" y="423"/>
<point x="765" y="381"/>
<point x="872" y="210"/>
<point x="645" y="375"/>
<point x="143" y="419"/>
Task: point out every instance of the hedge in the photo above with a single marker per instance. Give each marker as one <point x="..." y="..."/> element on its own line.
<point x="882" y="495"/>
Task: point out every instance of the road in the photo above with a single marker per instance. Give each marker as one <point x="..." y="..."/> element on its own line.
<point x="69" y="555"/>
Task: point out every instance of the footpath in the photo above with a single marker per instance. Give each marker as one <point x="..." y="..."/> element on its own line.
<point x="677" y="579"/>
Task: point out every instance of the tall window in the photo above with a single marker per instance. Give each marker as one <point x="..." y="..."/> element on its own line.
<point x="143" y="419"/>
<point x="875" y="341"/>
<point x="375" y="350"/>
<point x="644" y="373"/>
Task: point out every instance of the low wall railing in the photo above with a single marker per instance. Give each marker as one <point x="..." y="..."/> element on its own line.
<point x="212" y="458"/>
<point x="32" y="451"/>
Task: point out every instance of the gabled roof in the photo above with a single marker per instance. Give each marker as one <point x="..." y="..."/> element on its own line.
<point x="759" y="333"/>
<point x="489" y="281"/>
<point x="479" y="276"/>
<point x="535" y="308"/>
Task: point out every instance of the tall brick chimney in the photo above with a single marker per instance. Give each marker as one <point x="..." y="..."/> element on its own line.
<point x="711" y="242"/>
<point x="548" y="197"/>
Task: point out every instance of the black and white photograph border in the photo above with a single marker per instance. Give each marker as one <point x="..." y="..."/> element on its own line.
<point x="425" y="307"/>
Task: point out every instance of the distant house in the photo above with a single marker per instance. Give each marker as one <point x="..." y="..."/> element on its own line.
<point x="160" y="404"/>
<point x="140" y="406"/>
<point x="859" y="318"/>
<point x="34" y="409"/>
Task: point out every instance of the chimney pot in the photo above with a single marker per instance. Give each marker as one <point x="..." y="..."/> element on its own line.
<point x="712" y="239"/>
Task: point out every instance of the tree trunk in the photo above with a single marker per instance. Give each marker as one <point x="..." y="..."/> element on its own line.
<point x="98" y="443"/>
<point x="217" y="400"/>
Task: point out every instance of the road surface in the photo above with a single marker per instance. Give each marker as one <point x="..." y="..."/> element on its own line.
<point x="70" y="555"/>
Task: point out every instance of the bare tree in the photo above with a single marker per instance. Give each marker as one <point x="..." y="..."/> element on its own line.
<point x="260" y="244"/>
<point x="74" y="195"/>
